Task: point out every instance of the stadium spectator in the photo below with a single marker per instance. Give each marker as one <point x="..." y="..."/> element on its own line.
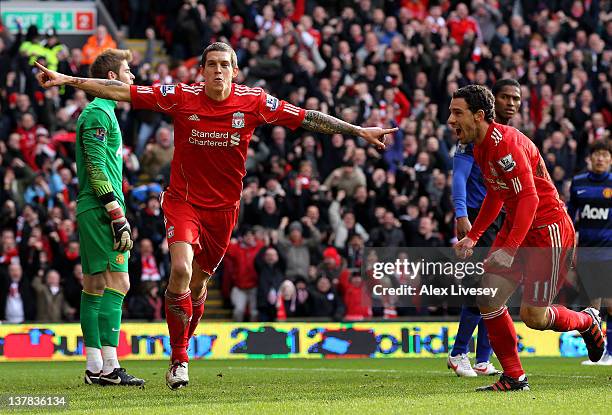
<point x="151" y="221"/>
<point x="50" y="302"/>
<point x="241" y="275"/>
<point x="9" y="246"/>
<point x="17" y="303"/>
<point x="344" y="224"/>
<point x="73" y="285"/>
<point x="157" y="155"/>
<point x="191" y="30"/>
<point x="302" y="305"/>
<point x="295" y="248"/>
<point x="270" y="274"/>
<point x="74" y="66"/>
<point x="147" y="304"/>
<point x="145" y="265"/>
<point x="354" y="291"/>
<point x="332" y="265"/>
<point x="354" y="252"/>
<point x="346" y="178"/>
<point x="286" y="302"/>
<point x="461" y="25"/>
<point x="325" y="301"/>
<point x="425" y="236"/>
<point x="388" y="234"/>
<point x="53" y="49"/>
<point x="96" y="44"/>
<point x="270" y="213"/>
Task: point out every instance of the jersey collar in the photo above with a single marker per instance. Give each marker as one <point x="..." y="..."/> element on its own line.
<point x="109" y="102"/>
<point x="219" y="102"/>
<point x="598" y="177"/>
<point x="486" y="143"/>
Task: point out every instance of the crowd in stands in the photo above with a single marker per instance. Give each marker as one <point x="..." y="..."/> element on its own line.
<point x="311" y="203"/>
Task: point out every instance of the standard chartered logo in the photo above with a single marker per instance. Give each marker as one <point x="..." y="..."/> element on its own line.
<point x="214" y="138"/>
<point x="589" y="212"/>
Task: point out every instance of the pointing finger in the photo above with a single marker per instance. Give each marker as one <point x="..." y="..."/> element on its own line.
<point x="42" y="68"/>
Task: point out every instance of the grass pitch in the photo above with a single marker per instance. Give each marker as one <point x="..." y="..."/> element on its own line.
<point x="358" y="386"/>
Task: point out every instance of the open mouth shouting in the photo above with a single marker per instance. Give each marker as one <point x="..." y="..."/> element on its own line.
<point x="459" y="133"/>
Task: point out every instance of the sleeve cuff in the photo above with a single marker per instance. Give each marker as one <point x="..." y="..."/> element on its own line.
<point x="473" y="236"/>
<point x="460" y="212"/>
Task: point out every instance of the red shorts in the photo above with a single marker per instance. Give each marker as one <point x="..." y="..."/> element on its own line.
<point x="542" y="262"/>
<point x="208" y="231"/>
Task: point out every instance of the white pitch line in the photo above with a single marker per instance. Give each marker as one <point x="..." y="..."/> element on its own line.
<point x="429" y="372"/>
<point x="314" y="369"/>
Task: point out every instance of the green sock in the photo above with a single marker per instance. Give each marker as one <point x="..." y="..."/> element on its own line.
<point x="90" y="308"/>
<point x="110" y="317"/>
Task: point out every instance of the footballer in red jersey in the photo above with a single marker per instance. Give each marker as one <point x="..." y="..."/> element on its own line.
<point x="536" y="221"/>
<point x="214" y="121"/>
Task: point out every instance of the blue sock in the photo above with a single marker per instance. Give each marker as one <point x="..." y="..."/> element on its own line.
<point x="609" y="333"/>
<point x="467" y="324"/>
<point x="483" y="347"/>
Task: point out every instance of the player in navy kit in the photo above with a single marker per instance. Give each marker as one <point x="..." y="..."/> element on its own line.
<point x="590" y="207"/>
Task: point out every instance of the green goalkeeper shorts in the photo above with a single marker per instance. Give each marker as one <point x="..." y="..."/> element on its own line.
<point x="96" y="240"/>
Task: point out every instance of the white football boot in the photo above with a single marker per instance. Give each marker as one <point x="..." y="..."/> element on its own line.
<point x="177" y="375"/>
<point x="460" y="364"/>
<point x="486" y="369"/>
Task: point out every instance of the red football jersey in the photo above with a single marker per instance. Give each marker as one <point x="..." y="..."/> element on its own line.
<point x="512" y="168"/>
<point x="211" y="137"/>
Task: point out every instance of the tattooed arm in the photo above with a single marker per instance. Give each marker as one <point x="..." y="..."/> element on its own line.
<point x="322" y="123"/>
<point x="101" y="88"/>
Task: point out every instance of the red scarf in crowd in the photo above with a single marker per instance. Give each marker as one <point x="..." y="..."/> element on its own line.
<point x="150" y="272"/>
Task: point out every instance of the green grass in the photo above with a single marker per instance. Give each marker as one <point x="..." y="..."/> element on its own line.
<point x="376" y="386"/>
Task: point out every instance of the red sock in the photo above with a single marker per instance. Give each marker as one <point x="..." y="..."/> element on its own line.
<point x="504" y="342"/>
<point x="561" y="319"/>
<point x="198" y="312"/>
<point x="178" y="316"/>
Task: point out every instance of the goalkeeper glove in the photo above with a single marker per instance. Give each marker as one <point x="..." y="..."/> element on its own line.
<point x="122" y="233"/>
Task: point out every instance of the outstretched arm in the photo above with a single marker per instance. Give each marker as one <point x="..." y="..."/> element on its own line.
<point x="322" y="123"/>
<point x="101" y="88"/>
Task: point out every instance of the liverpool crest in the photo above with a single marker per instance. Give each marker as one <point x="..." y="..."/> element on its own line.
<point x="238" y="120"/>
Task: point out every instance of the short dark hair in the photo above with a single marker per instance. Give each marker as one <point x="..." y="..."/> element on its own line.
<point x="499" y="85"/>
<point x="109" y="60"/>
<point x="478" y="98"/>
<point x="220" y="47"/>
<point x="603" y="145"/>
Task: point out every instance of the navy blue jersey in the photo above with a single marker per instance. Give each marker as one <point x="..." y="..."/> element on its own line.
<point x="590" y="207"/>
<point x="469" y="189"/>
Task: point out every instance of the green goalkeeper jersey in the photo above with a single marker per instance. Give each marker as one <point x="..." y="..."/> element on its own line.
<point x="99" y="155"/>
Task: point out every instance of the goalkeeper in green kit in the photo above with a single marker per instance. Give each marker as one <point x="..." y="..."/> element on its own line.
<point x="104" y="232"/>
